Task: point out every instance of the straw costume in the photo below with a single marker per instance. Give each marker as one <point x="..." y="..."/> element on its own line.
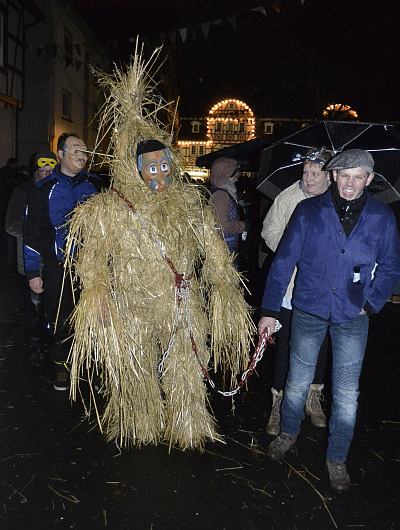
<point x="159" y="292"/>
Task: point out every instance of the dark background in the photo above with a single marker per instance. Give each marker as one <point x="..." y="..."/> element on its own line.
<point x="290" y="62"/>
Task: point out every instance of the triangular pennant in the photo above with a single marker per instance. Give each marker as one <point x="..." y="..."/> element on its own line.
<point x="204" y="28"/>
<point x="261" y="10"/>
<point x="183" y="33"/>
<point x="232" y="21"/>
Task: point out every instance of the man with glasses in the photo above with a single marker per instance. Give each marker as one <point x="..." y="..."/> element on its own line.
<point x="49" y="206"/>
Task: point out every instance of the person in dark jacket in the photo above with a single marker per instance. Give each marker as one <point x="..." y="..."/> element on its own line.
<point x="49" y="207"/>
<point x="347" y="250"/>
<point x="44" y="163"/>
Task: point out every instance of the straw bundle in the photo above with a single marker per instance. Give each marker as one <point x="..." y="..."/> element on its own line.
<point x="129" y="317"/>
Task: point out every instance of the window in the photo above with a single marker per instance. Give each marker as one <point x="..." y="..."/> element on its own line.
<point x="269" y="128"/>
<point x="66" y="105"/>
<point x="195" y="126"/>
<point x="201" y="150"/>
<point x="230" y="126"/>
<point x="231" y="106"/>
<point x="193" y="150"/>
<point x="241" y="126"/>
<point x="218" y="126"/>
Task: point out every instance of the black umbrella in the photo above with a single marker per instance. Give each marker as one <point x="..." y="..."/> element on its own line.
<point x="278" y="171"/>
<point x="248" y="154"/>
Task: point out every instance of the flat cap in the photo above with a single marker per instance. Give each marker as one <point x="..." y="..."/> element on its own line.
<point x="350" y="159"/>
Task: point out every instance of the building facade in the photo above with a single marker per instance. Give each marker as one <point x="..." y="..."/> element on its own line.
<point x="46" y="86"/>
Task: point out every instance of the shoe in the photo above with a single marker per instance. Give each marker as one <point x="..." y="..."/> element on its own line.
<point x="61" y="376"/>
<point x="273" y="425"/>
<point x="339" y="479"/>
<point x="281" y="445"/>
<point x="313" y="406"/>
<point x="395" y="299"/>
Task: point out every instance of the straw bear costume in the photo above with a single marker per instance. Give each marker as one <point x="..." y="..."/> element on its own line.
<point x="160" y="296"/>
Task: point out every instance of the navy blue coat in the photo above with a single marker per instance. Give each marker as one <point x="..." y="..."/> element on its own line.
<point x="325" y="257"/>
<point x="49" y="205"/>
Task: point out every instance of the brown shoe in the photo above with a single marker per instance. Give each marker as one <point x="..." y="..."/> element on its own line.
<point x="339" y="479"/>
<point x="273" y="425"/>
<point x="281" y="445"/>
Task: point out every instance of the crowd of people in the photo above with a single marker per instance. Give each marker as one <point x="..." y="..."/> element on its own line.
<point x="336" y="263"/>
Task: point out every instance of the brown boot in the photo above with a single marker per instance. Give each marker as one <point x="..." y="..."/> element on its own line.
<point x="273" y="425"/>
<point x="313" y="406"/>
<point x="281" y="445"/>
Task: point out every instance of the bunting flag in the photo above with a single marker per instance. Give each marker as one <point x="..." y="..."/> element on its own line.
<point x="193" y="31"/>
<point x="183" y="34"/>
<point x="204" y="28"/>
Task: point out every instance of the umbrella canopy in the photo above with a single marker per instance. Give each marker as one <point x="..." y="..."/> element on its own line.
<point x="248" y="154"/>
<point x="278" y="171"/>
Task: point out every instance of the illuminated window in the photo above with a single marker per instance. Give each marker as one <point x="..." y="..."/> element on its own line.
<point x="218" y="126"/>
<point x="241" y="126"/>
<point x="201" y="150"/>
<point x="230" y="126"/>
<point x="193" y="150"/>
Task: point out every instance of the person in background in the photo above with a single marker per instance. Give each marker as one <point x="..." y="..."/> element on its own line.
<point x="44" y="163"/>
<point x="347" y="250"/>
<point x="224" y="173"/>
<point x="50" y="204"/>
<point x="315" y="180"/>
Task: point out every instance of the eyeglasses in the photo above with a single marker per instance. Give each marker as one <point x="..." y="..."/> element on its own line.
<point x="45" y="172"/>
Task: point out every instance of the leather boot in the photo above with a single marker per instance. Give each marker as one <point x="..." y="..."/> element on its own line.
<point x="273" y="425"/>
<point x="313" y="406"/>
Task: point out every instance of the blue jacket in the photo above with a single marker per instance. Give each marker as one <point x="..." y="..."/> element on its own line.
<point x="49" y="205"/>
<point x="316" y="242"/>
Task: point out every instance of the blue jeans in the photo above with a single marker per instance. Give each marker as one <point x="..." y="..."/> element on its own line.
<point x="349" y="340"/>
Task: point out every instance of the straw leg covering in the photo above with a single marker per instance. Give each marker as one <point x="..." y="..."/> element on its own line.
<point x="187" y="420"/>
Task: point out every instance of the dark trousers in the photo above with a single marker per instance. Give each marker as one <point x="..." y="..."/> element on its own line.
<point x="34" y="313"/>
<point x="58" y="305"/>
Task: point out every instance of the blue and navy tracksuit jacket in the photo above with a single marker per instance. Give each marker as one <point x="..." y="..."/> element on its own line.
<point x="49" y="206"/>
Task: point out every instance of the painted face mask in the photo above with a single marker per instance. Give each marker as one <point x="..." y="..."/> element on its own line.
<point x="154" y="164"/>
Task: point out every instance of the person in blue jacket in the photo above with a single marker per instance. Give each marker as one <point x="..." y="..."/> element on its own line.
<point x="50" y="204"/>
<point x="347" y="250"/>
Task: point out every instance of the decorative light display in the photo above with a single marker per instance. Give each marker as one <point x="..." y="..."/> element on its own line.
<point x="338" y="107"/>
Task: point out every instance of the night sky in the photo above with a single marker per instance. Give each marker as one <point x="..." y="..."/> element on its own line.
<point x="291" y="62"/>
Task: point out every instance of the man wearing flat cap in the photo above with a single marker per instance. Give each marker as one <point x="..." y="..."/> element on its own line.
<point x="347" y="250"/>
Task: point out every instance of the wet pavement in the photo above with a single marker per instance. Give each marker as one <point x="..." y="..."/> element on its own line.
<point x="56" y="470"/>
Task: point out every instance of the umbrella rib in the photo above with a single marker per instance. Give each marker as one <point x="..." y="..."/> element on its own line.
<point x="355" y="138"/>
<point x="283" y="167"/>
